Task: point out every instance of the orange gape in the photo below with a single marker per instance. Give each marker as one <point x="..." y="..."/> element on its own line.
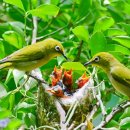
<point x="82" y="80"/>
<point x="57" y="75"/>
<point x="68" y="79"/>
<point x="57" y="91"/>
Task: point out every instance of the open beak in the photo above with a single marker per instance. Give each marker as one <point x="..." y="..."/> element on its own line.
<point x="88" y="63"/>
<point x="50" y="90"/>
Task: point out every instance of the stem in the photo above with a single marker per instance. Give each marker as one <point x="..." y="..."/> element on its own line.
<point x="79" y="51"/>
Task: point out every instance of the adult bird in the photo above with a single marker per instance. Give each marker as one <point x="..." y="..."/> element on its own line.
<point x="33" y="56"/>
<point x="118" y="74"/>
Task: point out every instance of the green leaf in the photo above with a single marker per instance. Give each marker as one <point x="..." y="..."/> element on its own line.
<point x="125" y="123"/>
<point x="81" y="32"/>
<point x="126" y="113"/>
<point x="5" y="114"/>
<point x="17" y="76"/>
<point x="126" y="27"/>
<point x="2" y="50"/>
<point x="123" y="40"/>
<point x="13" y="124"/>
<point x="103" y="24"/>
<point x="97" y="43"/>
<point x="73" y="66"/>
<point x="84" y="7"/>
<point x="118" y="48"/>
<point x="3" y="91"/>
<point x="115" y="32"/>
<point x="17" y="3"/>
<point x="13" y="38"/>
<point x="44" y="10"/>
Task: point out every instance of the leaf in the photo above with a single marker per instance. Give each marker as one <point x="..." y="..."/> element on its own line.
<point x="13" y="124"/>
<point x="17" y="3"/>
<point x="123" y="40"/>
<point x="81" y="32"/>
<point x="97" y="43"/>
<point x="126" y="113"/>
<point x="13" y="38"/>
<point x="125" y="123"/>
<point x="126" y="27"/>
<point x="17" y="76"/>
<point x="115" y="32"/>
<point x="2" y="50"/>
<point x="73" y="66"/>
<point x="3" y="91"/>
<point x="103" y="23"/>
<point x="5" y="114"/>
<point x="118" y="48"/>
<point x="44" y="10"/>
<point x="84" y="7"/>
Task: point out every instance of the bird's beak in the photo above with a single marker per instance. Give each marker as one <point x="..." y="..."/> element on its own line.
<point x="88" y="63"/>
<point x="65" y="56"/>
<point x="50" y="90"/>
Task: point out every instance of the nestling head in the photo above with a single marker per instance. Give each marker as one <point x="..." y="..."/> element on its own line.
<point x="55" y="47"/>
<point x="103" y="60"/>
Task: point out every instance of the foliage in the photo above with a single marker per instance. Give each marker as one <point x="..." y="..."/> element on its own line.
<point x="84" y="27"/>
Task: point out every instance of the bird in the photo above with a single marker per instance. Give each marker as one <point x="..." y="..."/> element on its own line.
<point x="33" y="56"/>
<point x="82" y="81"/>
<point x="57" y="91"/>
<point x="118" y="74"/>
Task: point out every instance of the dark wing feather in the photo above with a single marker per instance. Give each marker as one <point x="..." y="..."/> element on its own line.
<point x="122" y="75"/>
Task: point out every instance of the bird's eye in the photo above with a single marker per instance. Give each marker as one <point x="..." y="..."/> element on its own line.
<point x="96" y="59"/>
<point x="57" y="48"/>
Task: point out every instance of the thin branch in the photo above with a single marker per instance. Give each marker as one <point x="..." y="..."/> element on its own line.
<point x="52" y="33"/>
<point x="109" y="117"/>
<point x="79" y="51"/>
<point x="62" y="115"/>
<point x="34" y="33"/>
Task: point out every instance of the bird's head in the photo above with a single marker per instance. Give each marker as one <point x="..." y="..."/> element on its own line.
<point x="55" y="47"/>
<point x="103" y="60"/>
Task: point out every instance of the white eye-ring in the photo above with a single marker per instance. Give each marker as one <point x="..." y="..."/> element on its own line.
<point x="96" y="59"/>
<point x="57" y="48"/>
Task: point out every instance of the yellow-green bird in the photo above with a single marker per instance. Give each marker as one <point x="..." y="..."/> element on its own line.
<point x="118" y="74"/>
<point x="33" y="56"/>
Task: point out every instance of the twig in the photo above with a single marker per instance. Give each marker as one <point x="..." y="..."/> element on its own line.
<point x="52" y="33"/>
<point x="38" y="79"/>
<point x="34" y="34"/>
<point x="79" y="51"/>
<point x="45" y="126"/>
<point x="72" y="113"/>
<point x="62" y="115"/>
<point x="112" y="114"/>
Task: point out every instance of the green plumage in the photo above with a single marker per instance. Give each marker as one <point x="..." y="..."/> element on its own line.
<point x="32" y="56"/>
<point x="118" y="74"/>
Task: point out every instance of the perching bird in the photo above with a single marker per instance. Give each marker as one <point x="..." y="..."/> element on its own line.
<point x="33" y="56"/>
<point x="118" y="74"/>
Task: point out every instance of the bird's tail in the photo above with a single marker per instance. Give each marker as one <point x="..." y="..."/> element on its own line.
<point x="5" y="65"/>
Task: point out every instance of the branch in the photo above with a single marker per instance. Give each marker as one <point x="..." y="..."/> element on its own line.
<point x="79" y="51"/>
<point x="109" y="117"/>
<point x="34" y="33"/>
<point x="52" y="33"/>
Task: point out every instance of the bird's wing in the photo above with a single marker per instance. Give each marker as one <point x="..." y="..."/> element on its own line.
<point x="29" y="53"/>
<point x="122" y="75"/>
